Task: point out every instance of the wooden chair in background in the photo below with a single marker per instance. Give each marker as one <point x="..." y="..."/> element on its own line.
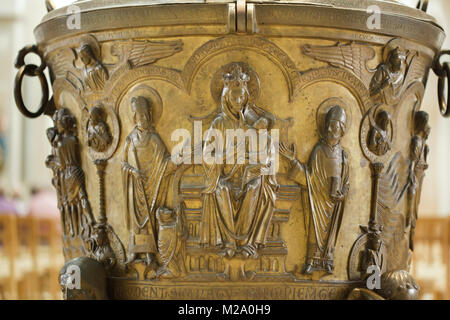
<point x="431" y="231"/>
<point x="26" y="258"/>
<point x="8" y="252"/>
<point x="50" y="258"/>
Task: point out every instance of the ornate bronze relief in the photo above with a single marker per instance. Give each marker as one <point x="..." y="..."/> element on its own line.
<point x="203" y="220"/>
<point x="69" y="180"/>
<point x="418" y="165"/>
<point x="93" y="74"/>
<point x="389" y="80"/>
<point x="98" y="132"/>
<point x="141" y="53"/>
<point x="326" y="177"/>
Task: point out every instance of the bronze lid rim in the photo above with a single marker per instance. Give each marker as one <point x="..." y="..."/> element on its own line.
<point x="387" y="6"/>
<point x="53" y="25"/>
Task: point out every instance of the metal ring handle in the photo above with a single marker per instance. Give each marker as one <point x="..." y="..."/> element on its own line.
<point x="442" y="70"/>
<point x="20" y="60"/>
<point x="30" y="70"/>
<point x="444" y="106"/>
<point x="437" y="66"/>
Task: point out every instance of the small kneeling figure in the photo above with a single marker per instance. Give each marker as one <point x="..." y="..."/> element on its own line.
<point x="171" y="237"/>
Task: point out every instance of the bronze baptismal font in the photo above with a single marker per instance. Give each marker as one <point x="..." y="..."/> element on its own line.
<point x="237" y="149"/>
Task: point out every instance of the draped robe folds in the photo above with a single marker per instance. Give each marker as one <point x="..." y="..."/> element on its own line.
<point x="99" y="137"/>
<point x="378" y="141"/>
<point x="145" y="186"/>
<point x="325" y="218"/>
<point x="95" y="76"/>
<point x="419" y="149"/>
<point x="386" y="86"/>
<point x="238" y="200"/>
<point x="169" y="245"/>
<point x="74" y="199"/>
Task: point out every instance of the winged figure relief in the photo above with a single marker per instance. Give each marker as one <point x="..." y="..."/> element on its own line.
<point x="61" y="62"/>
<point x="397" y="71"/>
<point x="351" y="56"/>
<point x="391" y="190"/>
<point x="141" y="53"/>
<point x="416" y="67"/>
<point x="388" y="80"/>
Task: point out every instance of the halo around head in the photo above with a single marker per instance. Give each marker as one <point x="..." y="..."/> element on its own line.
<point x="323" y="109"/>
<point x="92" y="42"/>
<point x="253" y="84"/>
<point x="153" y="98"/>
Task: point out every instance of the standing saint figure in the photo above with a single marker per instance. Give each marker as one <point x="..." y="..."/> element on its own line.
<point x="326" y="178"/>
<point x="418" y="156"/>
<point x="52" y="162"/>
<point x="145" y="166"/>
<point x="66" y="163"/>
<point x="239" y="197"/>
<point x="94" y="73"/>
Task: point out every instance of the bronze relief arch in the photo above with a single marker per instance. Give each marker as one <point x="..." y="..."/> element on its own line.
<point x="252" y="43"/>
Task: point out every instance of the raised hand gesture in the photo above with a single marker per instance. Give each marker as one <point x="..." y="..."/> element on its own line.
<point x="288" y="153"/>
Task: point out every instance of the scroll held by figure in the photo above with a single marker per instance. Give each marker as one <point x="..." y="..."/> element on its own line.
<point x="69" y="177"/>
<point x="326" y="179"/>
<point x="146" y="169"/>
<point x="239" y="197"/>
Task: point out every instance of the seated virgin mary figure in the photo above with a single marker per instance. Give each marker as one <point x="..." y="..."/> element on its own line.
<point x="239" y="198"/>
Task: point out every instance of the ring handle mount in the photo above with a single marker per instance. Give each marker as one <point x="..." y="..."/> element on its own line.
<point x="442" y="70"/>
<point x="46" y="106"/>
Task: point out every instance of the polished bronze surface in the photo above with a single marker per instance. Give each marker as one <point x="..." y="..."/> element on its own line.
<point x="314" y="192"/>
